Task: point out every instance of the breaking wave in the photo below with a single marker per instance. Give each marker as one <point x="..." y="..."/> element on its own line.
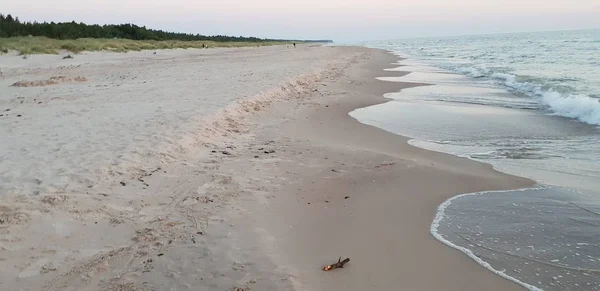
<point x="576" y="106"/>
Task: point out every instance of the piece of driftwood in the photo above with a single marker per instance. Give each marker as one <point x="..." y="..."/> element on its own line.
<point x="339" y="264"/>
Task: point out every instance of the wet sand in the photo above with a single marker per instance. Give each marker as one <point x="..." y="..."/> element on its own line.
<point x="351" y="190"/>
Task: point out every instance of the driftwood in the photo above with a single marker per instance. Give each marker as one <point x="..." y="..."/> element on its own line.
<point x="339" y="264"/>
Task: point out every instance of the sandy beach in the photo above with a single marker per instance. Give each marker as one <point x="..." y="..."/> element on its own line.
<point x="221" y="169"/>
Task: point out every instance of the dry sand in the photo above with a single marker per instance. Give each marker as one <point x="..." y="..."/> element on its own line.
<point x="266" y="178"/>
<point x="100" y="118"/>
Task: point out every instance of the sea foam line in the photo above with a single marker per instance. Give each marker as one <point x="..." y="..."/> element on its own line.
<point x="439" y="216"/>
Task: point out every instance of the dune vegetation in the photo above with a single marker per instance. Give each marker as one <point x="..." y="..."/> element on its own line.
<point x="27" y="45"/>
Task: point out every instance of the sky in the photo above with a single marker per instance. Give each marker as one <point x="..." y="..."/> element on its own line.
<point x="340" y="20"/>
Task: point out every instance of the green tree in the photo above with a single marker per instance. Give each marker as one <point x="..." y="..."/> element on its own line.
<point x="11" y="26"/>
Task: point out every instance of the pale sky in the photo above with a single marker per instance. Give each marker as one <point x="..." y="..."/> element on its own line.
<point x="340" y="20"/>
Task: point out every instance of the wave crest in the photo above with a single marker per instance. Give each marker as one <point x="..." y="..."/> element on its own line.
<point x="577" y="106"/>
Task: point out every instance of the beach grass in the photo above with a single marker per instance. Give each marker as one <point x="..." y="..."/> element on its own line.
<point x="29" y="45"/>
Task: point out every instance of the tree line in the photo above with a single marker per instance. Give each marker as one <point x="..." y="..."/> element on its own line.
<point x="11" y="26"/>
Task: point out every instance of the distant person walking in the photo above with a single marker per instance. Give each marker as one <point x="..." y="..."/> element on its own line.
<point x="294" y="44"/>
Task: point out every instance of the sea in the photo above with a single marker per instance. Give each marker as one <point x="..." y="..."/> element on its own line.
<point x="528" y="104"/>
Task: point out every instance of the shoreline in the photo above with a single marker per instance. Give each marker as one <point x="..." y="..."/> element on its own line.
<point x="518" y="234"/>
<point x="320" y="221"/>
<point x="278" y="193"/>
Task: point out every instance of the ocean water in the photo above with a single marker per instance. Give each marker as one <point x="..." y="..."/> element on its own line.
<point x="529" y="104"/>
<point x="559" y="70"/>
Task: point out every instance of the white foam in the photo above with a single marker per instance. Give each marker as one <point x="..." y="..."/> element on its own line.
<point x="580" y="107"/>
<point x="439" y="216"/>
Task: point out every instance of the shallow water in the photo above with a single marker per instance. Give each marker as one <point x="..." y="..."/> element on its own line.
<point x="547" y="237"/>
<point x="532" y="117"/>
<point x="488" y="123"/>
